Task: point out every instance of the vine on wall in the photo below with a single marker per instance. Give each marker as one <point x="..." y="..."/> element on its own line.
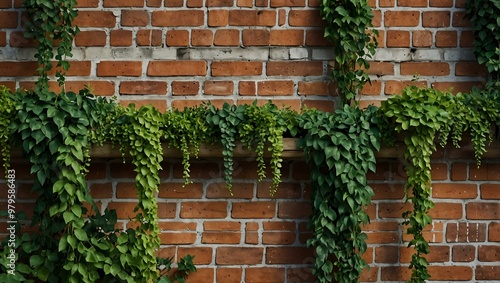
<point x="339" y="148"/>
<point x="347" y="23"/>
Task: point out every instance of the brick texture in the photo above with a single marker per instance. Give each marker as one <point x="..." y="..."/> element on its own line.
<point x="253" y="237"/>
<point x="277" y="44"/>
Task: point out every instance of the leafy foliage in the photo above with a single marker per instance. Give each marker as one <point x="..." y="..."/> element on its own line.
<point x="339" y="148"/>
<point x="421" y="113"/>
<point x="254" y="126"/>
<point x="347" y="22"/>
<point x="7" y="113"/>
<point x="485" y="18"/>
<point x="50" y="22"/>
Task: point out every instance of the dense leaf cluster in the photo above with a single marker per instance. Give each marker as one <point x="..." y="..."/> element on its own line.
<point x="339" y="148"/>
<point x="485" y="18"/>
<point x="346" y="26"/>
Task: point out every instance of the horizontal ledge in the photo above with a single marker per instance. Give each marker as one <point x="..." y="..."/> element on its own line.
<point x="290" y="151"/>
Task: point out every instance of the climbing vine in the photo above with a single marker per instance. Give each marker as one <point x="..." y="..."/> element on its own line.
<point x="347" y="22"/>
<point x="339" y="148"/>
<point x="484" y="15"/>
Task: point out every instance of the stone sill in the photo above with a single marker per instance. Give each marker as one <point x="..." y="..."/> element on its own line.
<point x="290" y="151"/>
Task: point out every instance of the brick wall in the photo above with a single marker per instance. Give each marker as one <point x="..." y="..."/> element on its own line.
<point x="251" y="237"/>
<point x="178" y="53"/>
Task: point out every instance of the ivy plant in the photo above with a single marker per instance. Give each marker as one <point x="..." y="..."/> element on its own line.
<point x="347" y="22"/>
<point x="339" y="148"/>
<point x="7" y="113"/>
<point x="484" y="16"/>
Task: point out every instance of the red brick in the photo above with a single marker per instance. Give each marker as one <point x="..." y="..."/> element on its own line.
<point x="252" y="18"/>
<point x="382" y="237"/>
<point x="185" y="88"/>
<point x="238" y="255"/>
<point x="466" y="38"/>
<point x="198" y="170"/>
<point x="288" y="255"/>
<point x="396" y="87"/>
<point x="401" y="18"/>
<point x="218" y="18"/>
<point x="153" y="3"/>
<point x="398" y="38"/>
<point x="458" y="172"/>
<point x="194" y="3"/>
<point x="239" y="190"/>
<point x="201" y="275"/>
<point x="285" y="190"/>
<point x="437" y="254"/>
<point x="494" y="232"/>
<point x="294" y="210"/>
<point x="126" y="190"/>
<point x="104" y="19"/>
<point x="395" y="273"/>
<point x="388" y="191"/>
<point x="143" y="87"/>
<point x="149" y="38"/>
<point x="450" y="273"/>
<point x="465" y="232"/>
<point x="256" y="37"/>
<point x="311" y="68"/>
<point x="204" y="209"/>
<point x="300" y="274"/>
<point x="425" y="68"/>
<point x="275" y="88"/>
<point x="313" y="88"/>
<point x="381" y="68"/>
<point x="178" y="18"/>
<point x="441" y="3"/>
<point x="180" y="191"/>
<point x="470" y="69"/>
<point x="247" y="88"/>
<point x="177" y="68"/>
<point x="221" y="237"/>
<point x="17" y="39"/>
<point x="249" y="210"/>
<point x="445" y="38"/>
<point x="412" y="3"/>
<point x="288" y="3"/>
<point x="90" y="38"/>
<point x="235" y="68"/>
<point x="460" y="19"/>
<point x="177" y="38"/>
<point x="174" y="3"/>
<point x="454" y="191"/>
<point x="8" y="19"/>
<point x="123" y="3"/>
<point x="119" y="68"/>
<point x="304" y="18"/>
<point x="121" y="38"/>
<point x="87" y="3"/>
<point x="387" y="254"/>
<point x="218" y="87"/>
<point x="483" y="210"/>
<point x="455" y="87"/>
<point x="372" y="88"/>
<point x="227" y="37"/>
<point x="444" y="210"/>
<point x="3" y="38"/>
<point x="422" y="38"/>
<point x="177" y="226"/>
<point x="264" y="274"/>
<point x="201" y="37"/>
<point x="463" y="253"/>
<point x="322" y="105"/>
<point x="490" y="191"/>
<point x="221" y="226"/>
<point x="484" y="272"/>
<point x="488" y="253"/>
<point x="202" y="255"/>
<point x="436" y="19"/>
<point x="229" y="275"/>
<point x="316" y="38"/>
<point x="288" y="37"/>
<point x="177" y="238"/>
<point x="220" y="3"/>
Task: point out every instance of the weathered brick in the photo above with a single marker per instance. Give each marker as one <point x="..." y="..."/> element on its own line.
<point x="177" y="68"/>
<point x="119" y="68"/>
<point x="179" y="18"/>
<point x="238" y="255"/>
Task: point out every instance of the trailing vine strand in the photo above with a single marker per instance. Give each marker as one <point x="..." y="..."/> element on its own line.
<point x="339" y="148"/>
<point x="347" y="23"/>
